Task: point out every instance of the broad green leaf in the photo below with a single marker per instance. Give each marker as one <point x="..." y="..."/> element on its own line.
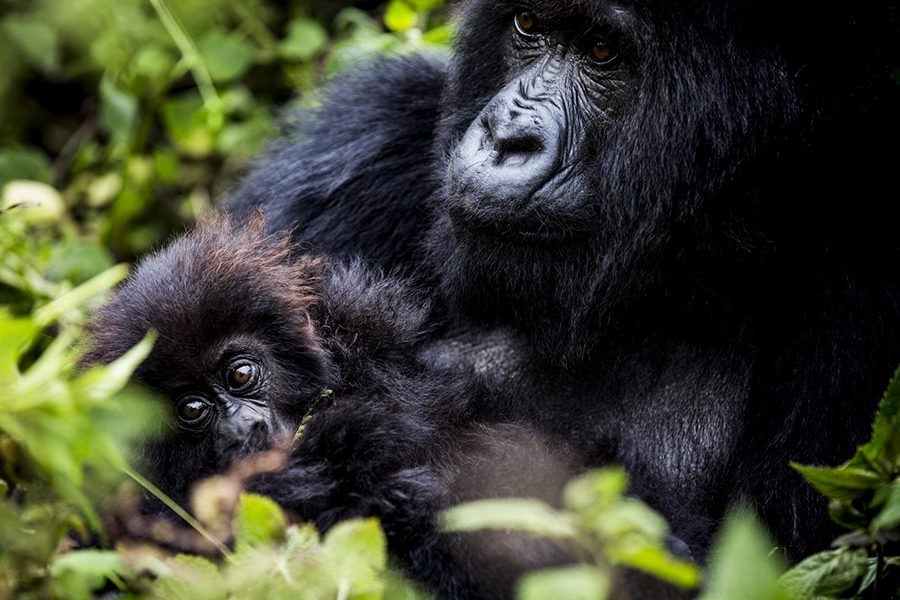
<point x="226" y="55"/>
<point x="24" y="163"/>
<point x="362" y="537"/>
<point x="154" y="63"/>
<point x="190" y="578"/>
<point x="522" y="514"/>
<point x="77" y="260"/>
<point x="100" y="383"/>
<point x="247" y="138"/>
<point x="657" y="561"/>
<point x="884" y="447"/>
<point x="305" y="38"/>
<point x="825" y="574"/>
<point x="425" y="5"/>
<point x="580" y="582"/>
<point x="842" y="483"/>
<point x="16" y="334"/>
<point x="439" y="36"/>
<point x="77" y="574"/>
<point x="889" y="517"/>
<point x="356" y="552"/>
<point x="186" y="121"/>
<point x="300" y="538"/>
<point x="90" y="288"/>
<point x="595" y="490"/>
<point x="118" y="111"/>
<point x="257" y="521"/>
<point x="37" y="41"/>
<point x="400" y="16"/>
<point x="397" y="587"/>
<point x="741" y="566"/>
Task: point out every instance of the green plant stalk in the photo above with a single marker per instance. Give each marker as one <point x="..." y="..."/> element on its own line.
<point x="174" y="507"/>
<point x="255" y="27"/>
<point x="51" y="312"/>
<point x="191" y="55"/>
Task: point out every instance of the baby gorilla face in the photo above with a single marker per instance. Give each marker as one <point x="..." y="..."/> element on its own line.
<point x="236" y="355"/>
<point x="232" y="405"/>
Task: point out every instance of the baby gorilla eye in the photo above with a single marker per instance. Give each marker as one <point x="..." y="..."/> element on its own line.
<point x="241" y="374"/>
<point x="525" y="23"/>
<point x="192" y="410"/>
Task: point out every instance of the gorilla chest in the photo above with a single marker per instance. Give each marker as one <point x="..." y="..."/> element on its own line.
<point x="668" y="410"/>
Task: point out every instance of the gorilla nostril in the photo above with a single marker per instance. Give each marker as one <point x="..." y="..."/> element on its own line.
<point x="521" y="146"/>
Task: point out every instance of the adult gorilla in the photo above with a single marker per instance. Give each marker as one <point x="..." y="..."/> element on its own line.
<point x="669" y="229"/>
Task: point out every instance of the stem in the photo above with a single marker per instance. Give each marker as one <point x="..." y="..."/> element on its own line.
<point x="191" y="55"/>
<point x="173" y="506"/>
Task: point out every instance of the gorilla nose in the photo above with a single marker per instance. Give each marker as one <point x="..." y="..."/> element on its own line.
<point x="507" y="154"/>
<point x="514" y="141"/>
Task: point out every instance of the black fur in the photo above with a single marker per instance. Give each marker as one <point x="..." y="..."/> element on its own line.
<point x="725" y="297"/>
<point x="391" y="438"/>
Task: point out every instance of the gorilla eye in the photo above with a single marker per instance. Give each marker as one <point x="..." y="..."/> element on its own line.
<point x="602" y="53"/>
<point x="240" y="374"/>
<point x="191" y="411"/>
<point x="525" y="23"/>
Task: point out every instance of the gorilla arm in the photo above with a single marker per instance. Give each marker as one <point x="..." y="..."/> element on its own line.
<point x="353" y="178"/>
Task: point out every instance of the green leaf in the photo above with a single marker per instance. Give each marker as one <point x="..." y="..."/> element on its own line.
<point x="100" y="383"/>
<point x="257" y="521"/>
<point x="522" y="514"/>
<point x="884" y="447"/>
<point x="16" y="335"/>
<point x="24" y="163"/>
<point x="118" y="111"/>
<point x="889" y="517"/>
<point x="245" y="139"/>
<point x="439" y="36"/>
<point x="595" y="490"/>
<point x="305" y="38"/>
<point x="425" y="5"/>
<point x="572" y="583"/>
<point x="227" y="56"/>
<point x="76" y="574"/>
<point x="190" y="578"/>
<point x="103" y="282"/>
<point x="154" y="63"/>
<point x="742" y="568"/>
<point x="400" y="16"/>
<point x="77" y="260"/>
<point x="657" y="561"/>
<point x="185" y="118"/>
<point x="362" y="538"/>
<point x="842" y="483"/>
<point x="356" y="551"/>
<point x="37" y="41"/>
<point x="825" y="574"/>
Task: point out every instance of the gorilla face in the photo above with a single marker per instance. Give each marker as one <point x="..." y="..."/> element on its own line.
<point x="517" y="172"/>
<point x="581" y="138"/>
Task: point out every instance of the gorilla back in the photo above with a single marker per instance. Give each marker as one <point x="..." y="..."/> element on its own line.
<point x="672" y="222"/>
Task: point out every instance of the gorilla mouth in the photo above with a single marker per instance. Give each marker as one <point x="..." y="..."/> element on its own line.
<point x="520" y="232"/>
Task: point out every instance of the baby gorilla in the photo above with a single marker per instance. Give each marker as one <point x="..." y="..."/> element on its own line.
<point x="252" y="338"/>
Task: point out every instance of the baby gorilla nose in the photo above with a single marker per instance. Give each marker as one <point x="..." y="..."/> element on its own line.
<point x="243" y="433"/>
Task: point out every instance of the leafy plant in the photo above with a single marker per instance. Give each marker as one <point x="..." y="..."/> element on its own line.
<point x="864" y="496"/>
<point x="597" y="522"/>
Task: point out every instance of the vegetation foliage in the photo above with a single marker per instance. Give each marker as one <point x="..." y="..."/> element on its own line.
<point x="120" y="120"/>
